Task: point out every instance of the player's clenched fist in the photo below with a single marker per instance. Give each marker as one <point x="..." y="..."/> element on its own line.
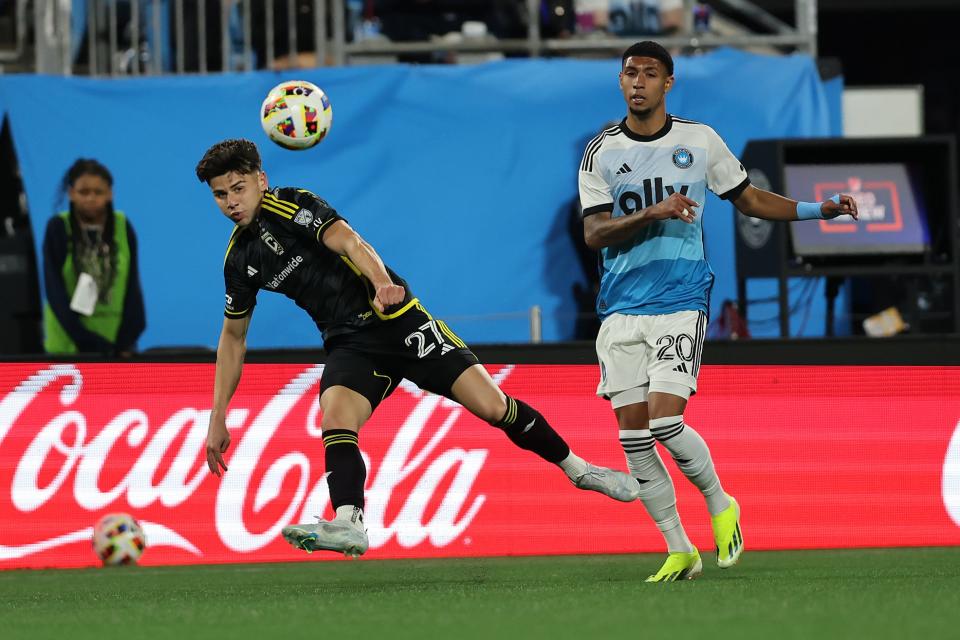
<point x="846" y="206"/>
<point x="388" y="295"/>
<point x="676" y="206"/>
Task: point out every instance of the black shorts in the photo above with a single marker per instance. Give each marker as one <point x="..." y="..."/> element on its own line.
<point x="414" y="346"/>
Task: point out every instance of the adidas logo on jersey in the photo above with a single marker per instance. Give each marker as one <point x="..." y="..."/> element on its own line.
<point x="681" y="368"/>
<point x="624" y="169"/>
<point x="251" y="271"/>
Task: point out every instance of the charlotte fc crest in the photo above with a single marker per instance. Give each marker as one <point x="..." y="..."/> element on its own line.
<point x="682" y="158"/>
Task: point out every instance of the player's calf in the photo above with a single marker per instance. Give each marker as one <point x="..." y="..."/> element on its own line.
<point x="692" y="456"/>
<point x="529" y="430"/>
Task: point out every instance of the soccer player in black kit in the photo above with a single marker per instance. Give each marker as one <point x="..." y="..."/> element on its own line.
<point x="375" y="332"/>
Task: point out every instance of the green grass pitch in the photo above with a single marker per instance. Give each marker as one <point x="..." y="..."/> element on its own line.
<point x="876" y="593"/>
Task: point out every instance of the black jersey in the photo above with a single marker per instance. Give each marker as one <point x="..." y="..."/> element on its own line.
<point x="282" y="250"/>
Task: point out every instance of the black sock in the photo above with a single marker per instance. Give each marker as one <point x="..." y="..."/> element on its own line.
<point x="529" y="430"/>
<point x="345" y="464"/>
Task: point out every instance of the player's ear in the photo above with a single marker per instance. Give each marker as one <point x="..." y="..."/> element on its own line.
<point x="668" y="84"/>
<point x="262" y="181"/>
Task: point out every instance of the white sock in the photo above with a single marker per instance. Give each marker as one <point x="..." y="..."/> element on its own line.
<point x="656" y="487"/>
<point x="574" y="466"/>
<point x="351" y="514"/>
<point x="692" y="457"/>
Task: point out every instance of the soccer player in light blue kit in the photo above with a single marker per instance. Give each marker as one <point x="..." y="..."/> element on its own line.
<point x="642" y="187"/>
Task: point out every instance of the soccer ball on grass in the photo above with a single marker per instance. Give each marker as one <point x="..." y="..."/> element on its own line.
<point x="118" y="539"/>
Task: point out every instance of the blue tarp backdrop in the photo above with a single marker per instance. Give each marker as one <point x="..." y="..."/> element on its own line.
<point x="461" y="176"/>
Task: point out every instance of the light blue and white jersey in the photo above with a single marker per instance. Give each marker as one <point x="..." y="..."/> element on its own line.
<point x="663" y="269"/>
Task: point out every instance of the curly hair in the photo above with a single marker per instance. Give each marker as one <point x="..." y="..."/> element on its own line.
<point x="237" y="154"/>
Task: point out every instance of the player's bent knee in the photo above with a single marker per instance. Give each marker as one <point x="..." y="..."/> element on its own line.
<point x="479" y="394"/>
<point x="343" y="408"/>
<point x="493" y="410"/>
<point x="633" y="416"/>
<point x="340" y="422"/>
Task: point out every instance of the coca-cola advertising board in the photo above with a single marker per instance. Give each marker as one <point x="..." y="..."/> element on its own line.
<point x="817" y="456"/>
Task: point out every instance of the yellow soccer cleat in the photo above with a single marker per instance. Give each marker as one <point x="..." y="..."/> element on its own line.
<point x="679" y="566"/>
<point x="727" y="535"/>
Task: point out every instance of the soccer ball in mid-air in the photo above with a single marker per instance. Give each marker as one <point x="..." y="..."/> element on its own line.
<point x="118" y="539"/>
<point x="296" y="114"/>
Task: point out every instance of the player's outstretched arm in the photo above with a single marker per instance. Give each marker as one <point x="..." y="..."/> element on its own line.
<point x="343" y="240"/>
<point x="603" y="230"/>
<point x="230" y="352"/>
<point x="758" y="203"/>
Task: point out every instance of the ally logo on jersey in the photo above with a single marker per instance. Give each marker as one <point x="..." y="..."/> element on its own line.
<point x="651" y="192"/>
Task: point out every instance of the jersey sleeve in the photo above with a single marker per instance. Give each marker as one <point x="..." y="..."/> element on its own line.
<point x="726" y="176"/>
<point x="594" y="190"/>
<point x="241" y="296"/>
<point x="319" y="214"/>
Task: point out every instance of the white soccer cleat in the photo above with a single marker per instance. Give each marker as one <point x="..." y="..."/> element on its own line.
<point x="332" y="535"/>
<point x="615" y="484"/>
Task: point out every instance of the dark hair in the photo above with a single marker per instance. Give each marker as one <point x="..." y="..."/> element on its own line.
<point x="90" y="167"/>
<point x="237" y="154"/>
<point x="83" y="167"/>
<point x="649" y="49"/>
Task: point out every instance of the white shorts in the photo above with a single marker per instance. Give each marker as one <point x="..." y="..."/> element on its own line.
<point x="640" y="354"/>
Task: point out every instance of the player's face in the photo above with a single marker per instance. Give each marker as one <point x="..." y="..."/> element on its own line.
<point x="89" y="196"/>
<point x="644" y="82"/>
<point x="238" y="195"/>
